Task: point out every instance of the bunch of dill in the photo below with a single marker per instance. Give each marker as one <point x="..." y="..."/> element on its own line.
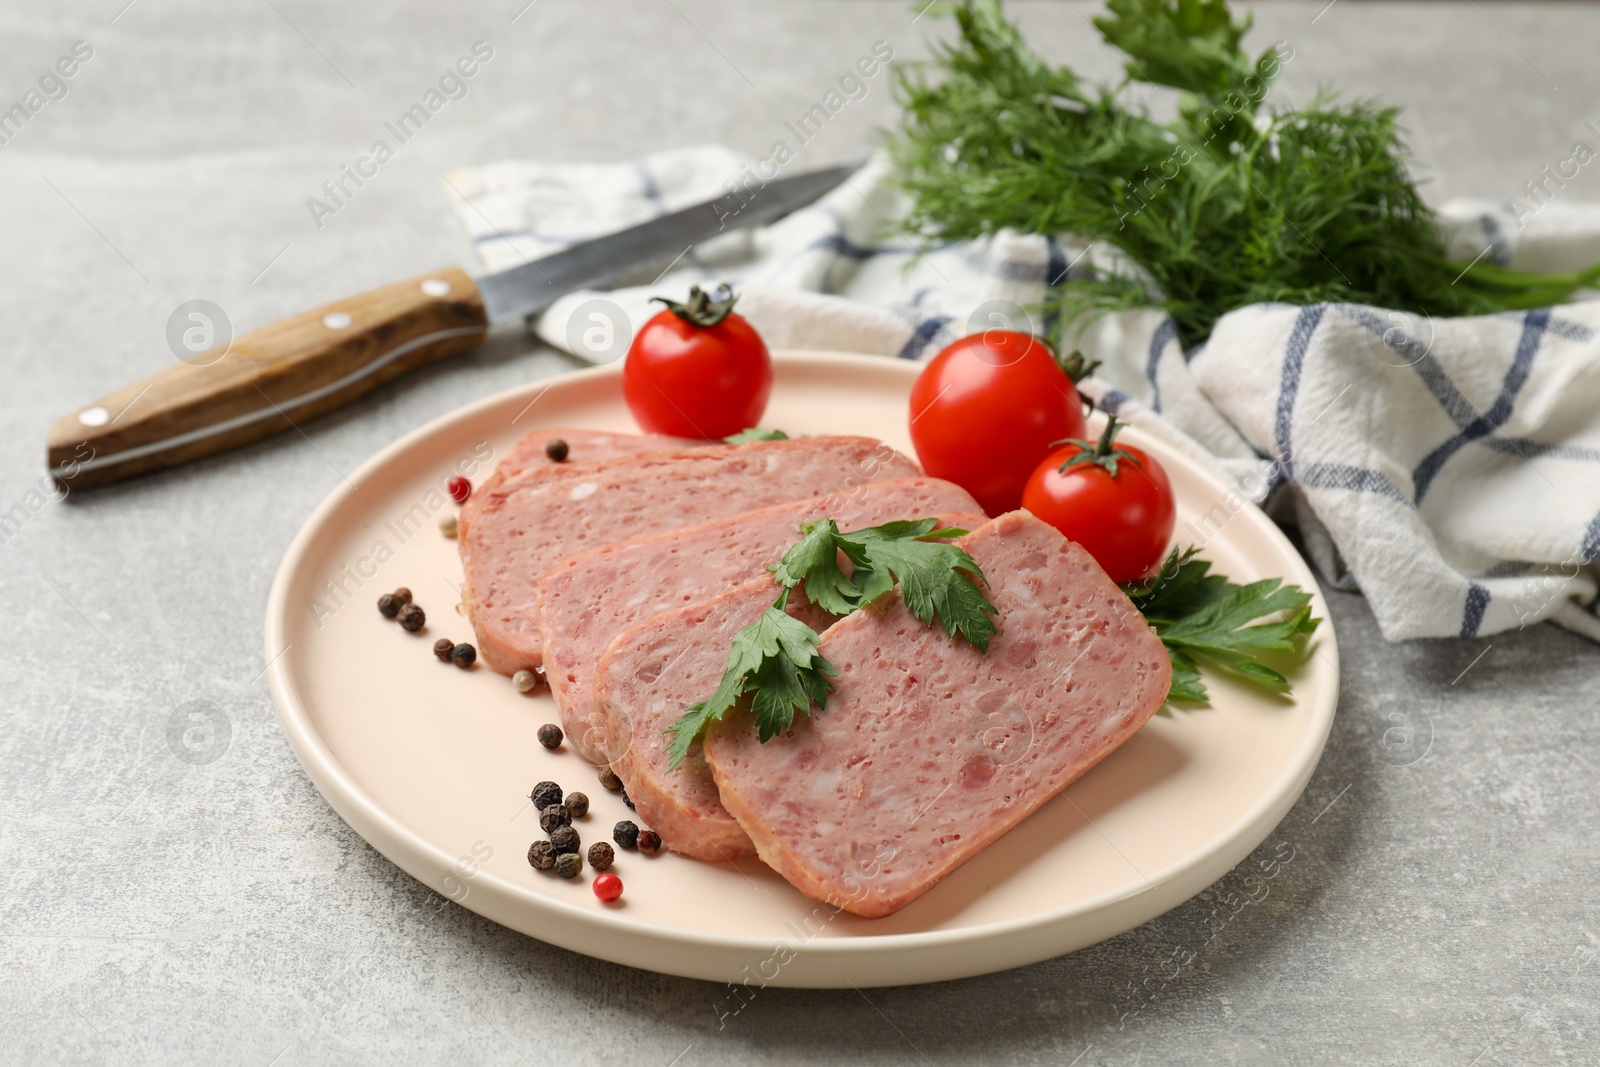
<point x="1233" y="203"/>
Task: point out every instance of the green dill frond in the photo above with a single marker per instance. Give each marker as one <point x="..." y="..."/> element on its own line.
<point x="1234" y="203"/>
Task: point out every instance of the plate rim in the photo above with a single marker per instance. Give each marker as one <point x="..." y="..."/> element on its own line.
<point x="361" y="811"/>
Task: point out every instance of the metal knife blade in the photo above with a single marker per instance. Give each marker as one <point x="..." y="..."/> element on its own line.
<point x="532" y="287"/>
<point x="276" y="376"/>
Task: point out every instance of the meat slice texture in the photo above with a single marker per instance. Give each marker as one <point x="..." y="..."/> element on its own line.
<point x="520" y="529"/>
<point x="584" y="447"/>
<point x="929" y="750"/>
<point x="527" y="464"/>
<point x="646" y="679"/>
<point x="591" y="597"/>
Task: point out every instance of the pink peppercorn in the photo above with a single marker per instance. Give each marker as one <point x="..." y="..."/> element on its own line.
<point x="608" y="887"/>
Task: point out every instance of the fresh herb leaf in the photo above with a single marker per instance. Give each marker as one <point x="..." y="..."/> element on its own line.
<point x="909" y="552"/>
<point x="932" y="575"/>
<point x="1192" y="45"/>
<point x="775" y="659"/>
<point x="1186" y="682"/>
<point x="814" y="559"/>
<point x="754" y="433"/>
<point x="1235" y="202"/>
<point x="1183" y="585"/>
<point x="1200" y="615"/>
<point x="904" y="530"/>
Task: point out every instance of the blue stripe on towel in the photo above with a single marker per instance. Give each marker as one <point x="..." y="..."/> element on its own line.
<point x="1275" y="482"/>
<point x="1386" y="329"/>
<point x="1355" y="479"/>
<point x="1165" y="334"/>
<point x="922" y="337"/>
<point x="1533" y="327"/>
<point x="1499" y="250"/>
<point x="1568" y="330"/>
<point x="1591" y="541"/>
<point x="1056" y="270"/>
<point x="1457" y="406"/>
<point x="1472" y="616"/>
<point x="1111" y="401"/>
<point x="1294" y="357"/>
<point x="1528" y="448"/>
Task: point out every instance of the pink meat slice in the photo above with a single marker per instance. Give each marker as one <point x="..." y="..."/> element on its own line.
<point x="591" y="597"/>
<point x="647" y="678"/>
<point x="650" y="674"/>
<point x="584" y="447"/>
<point x="527" y="464"/>
<point x="520" y="529"/>
<point x="929" y="751"/>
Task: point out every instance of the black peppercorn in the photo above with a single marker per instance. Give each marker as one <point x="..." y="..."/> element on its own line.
<point x="412" y="618"/>
<point x="550" y="735"/>
<point x="541" y="855"/>
<point x="556" y="449"/>
<point x="388" y="606"/>
<point x="403" y="595"/>
<point x="626" y="834"/>
<point x="601" y="857"/>
<point x="553" y="816"/>
<point x="442" y="649"/>
<point x="565" y="839"/>
<point x="545" y="794"/>
<point x="649" y="842"/>
<point x="568" y="864"/>
<point x="578" y="804"/>
<point x="626" y="799"/>
<point x="609" y="779"/>
<point x="463" y="655"/>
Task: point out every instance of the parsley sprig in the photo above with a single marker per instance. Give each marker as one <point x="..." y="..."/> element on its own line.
<point x="754" y="433"/>
<point x="1200" y="615"/>
<point x="911" y="553"/>
<point x="776" y="661"/>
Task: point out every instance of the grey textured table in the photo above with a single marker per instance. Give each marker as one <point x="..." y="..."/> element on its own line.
<point x="1440" y="903"/>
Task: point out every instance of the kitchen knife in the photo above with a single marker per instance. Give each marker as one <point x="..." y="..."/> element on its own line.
<point x="276" y="377"/>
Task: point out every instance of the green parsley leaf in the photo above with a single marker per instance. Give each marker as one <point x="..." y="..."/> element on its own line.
<point x="932" y="576"/>
<point x="774" y="658"/>
<point x="814" y="559"/>
<point x="907" y="552"/>
<point x="776" y="661"/>
<point x="1200" y="615"/>
<point x="1186" y="683"/>
<point x="754" y="433"/>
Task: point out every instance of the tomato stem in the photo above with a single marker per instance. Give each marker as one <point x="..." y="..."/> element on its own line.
<point x="1101" y="453"/>
<point x="1077" y="366"/>
<point x="702" y="309"/>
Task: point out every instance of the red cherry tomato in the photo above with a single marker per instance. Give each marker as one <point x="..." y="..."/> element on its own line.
<point x="1124" y="520"/>
<point x="987" y="409"/>
<point x="697" y="370"/>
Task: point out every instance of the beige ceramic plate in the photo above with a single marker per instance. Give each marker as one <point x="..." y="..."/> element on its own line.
<point x="432" y="765"/>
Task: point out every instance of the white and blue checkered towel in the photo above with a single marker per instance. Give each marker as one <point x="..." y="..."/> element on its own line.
<point x="1448" y="468"/>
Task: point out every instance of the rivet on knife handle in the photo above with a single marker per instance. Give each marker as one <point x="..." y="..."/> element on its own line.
<point x="268" y="380"/>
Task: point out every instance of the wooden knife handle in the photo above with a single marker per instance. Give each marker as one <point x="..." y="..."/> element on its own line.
<point x="268" y="380"/>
